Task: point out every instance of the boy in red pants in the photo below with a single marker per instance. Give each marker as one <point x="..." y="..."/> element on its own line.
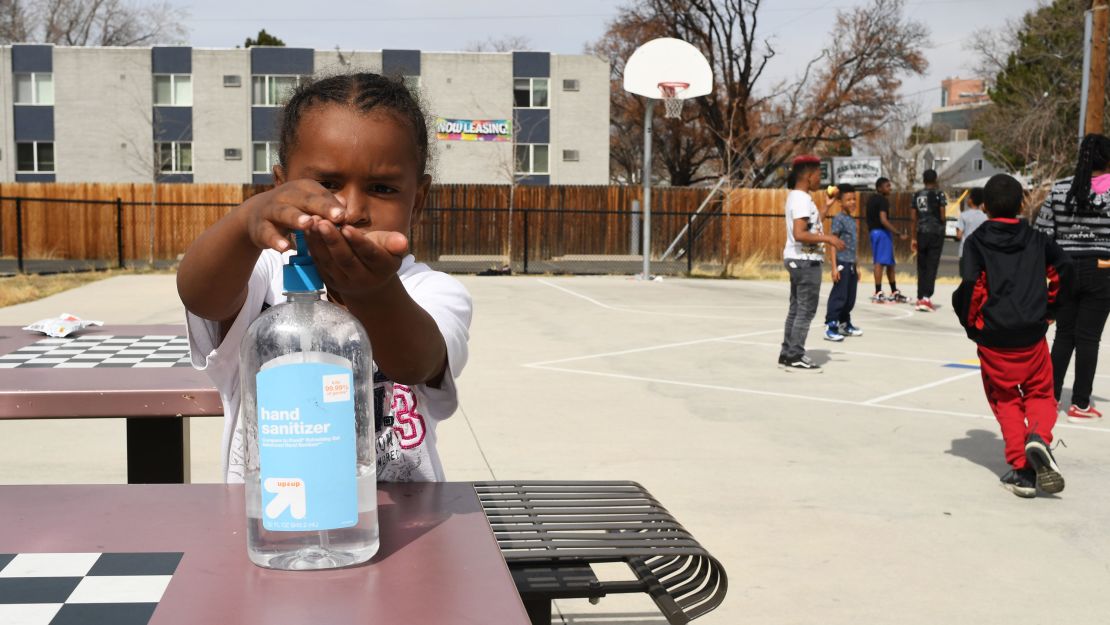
<point x="1011" y="276"/>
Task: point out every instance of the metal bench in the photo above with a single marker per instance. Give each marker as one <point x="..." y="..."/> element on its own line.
<point x="551" y="532"/>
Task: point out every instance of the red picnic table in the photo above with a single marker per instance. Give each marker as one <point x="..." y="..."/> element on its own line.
<point x="138" y="372"/>
<point x="176" y="555"/>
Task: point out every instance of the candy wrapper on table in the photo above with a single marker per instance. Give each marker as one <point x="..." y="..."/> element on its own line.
<point x="62" y="325"/>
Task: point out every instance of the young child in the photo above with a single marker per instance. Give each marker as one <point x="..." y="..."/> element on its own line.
<point x="845" y="276"/>
<point x="352" y="176"/>
<point x="1011" y="277"/>
<point x="971" y="218"/>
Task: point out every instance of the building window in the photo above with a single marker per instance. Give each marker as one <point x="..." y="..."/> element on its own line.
<point x="174" y="157"/>
<point x="272" y="90"/>
<point x="977" y="164"/>
<point x="34" y="88"/>
<point x="173" y="90"/>
<point x="232" y="80"/>
<point x="570" y="156"/>
<point x="570" y="84"/>
<point x="531" y="158"/>
<point x="265" y="157"/>
<point x="233" y="154"/>
<point x="530" y="93"/>
<point x="34" y="157"/>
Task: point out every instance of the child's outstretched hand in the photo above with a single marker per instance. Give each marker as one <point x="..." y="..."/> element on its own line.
<point x="354" y="263"/>
<point x="272" y="215"/>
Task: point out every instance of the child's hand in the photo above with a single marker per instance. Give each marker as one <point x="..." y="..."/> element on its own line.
<point x="835" y="273"/>
<point x="270" y="216"/>
<point x="353" y="263"/>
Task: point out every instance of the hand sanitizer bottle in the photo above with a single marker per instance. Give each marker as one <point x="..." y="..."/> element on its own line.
<point x="306" y="383"/>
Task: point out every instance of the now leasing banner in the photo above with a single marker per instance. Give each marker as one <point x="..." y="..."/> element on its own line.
<point x="474" y="129"/>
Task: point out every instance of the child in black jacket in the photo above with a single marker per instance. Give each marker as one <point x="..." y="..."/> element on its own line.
<point x="1011" y="277"/>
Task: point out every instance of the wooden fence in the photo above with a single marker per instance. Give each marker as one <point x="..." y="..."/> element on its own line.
<point x="99" y="221"/>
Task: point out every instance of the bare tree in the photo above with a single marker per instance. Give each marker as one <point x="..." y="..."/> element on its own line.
<point x="14" y="21"/>
<point x="1033" y="66"/>
<point x="143" y="156"/>
<point x="91" y="22"/>
<point x="507" y="43"/>
<point x="847" y="92"/>
<point x="891" y="145"/>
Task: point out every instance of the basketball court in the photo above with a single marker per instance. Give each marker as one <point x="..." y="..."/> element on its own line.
<point x="865" y="494"/>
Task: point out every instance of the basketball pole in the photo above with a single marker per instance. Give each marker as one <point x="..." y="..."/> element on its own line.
<point x="648" y="112"/>
<point x="1096" y="79"/>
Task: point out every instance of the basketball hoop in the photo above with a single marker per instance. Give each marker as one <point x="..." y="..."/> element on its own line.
<point x="672" y="100"/>
<point x="674" y="71"/>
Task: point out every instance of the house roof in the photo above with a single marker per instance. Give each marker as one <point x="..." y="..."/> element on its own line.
<point x="978" y="182"/>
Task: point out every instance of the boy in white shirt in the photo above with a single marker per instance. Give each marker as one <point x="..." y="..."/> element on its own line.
<point x="802" y="256"/>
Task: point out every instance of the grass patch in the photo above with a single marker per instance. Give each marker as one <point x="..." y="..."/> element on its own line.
<point x="30" y="287"/>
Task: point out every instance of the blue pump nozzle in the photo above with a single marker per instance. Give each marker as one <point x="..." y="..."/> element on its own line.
<point x="299" y="274"/>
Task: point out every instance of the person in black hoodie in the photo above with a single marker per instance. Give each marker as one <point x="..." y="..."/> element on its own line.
<point x="1012" y="277"/>
<point x="929" y="205"/>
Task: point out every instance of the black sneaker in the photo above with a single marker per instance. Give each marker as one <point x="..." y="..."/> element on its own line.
<point x="1040" y="458"/>
<point x="1021" y="482"/>
<point x="782" y="361"/>
<point x="803" y="364"/>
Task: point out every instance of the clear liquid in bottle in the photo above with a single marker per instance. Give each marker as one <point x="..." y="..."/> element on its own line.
<point x="311" y="484"/>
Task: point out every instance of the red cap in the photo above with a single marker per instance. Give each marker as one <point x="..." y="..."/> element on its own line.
<point x="806" y="159"/>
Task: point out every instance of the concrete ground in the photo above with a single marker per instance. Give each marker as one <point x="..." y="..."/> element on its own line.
<point x="865" y="494"/>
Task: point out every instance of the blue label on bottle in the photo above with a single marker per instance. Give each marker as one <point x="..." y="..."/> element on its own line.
<point x="306" y="446"/>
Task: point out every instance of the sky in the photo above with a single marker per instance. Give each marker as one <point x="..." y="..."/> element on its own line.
<point x="798" y="29"/>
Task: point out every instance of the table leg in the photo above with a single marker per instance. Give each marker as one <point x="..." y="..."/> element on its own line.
<point x="539" y="611"/>
<point x="157" y="450"/>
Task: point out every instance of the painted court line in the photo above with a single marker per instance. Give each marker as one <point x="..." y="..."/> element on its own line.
<point x="649" y="348"/>
<point x="827" y="400"/>
<point x="932" y="332"/>
<point x="915" y="389"/>
<point x="623" y="309"/>
<point x="850" y="353"/>
<point x="629" y="309"/>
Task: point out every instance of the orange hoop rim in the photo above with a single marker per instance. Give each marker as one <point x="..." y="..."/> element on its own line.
<point x="670" y="89"/>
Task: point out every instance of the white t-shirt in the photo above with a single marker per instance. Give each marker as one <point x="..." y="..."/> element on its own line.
<point x="969" y="220"/>
<point x="406" y="450"/>
<point x="799" y="205"/>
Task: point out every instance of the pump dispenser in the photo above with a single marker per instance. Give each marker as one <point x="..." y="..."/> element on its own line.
<point x="306" y="386"/>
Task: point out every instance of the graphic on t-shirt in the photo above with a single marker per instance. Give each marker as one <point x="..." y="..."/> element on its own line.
<point x="401" y="435"/>
<point x="814" y="225"/>
<point x="409" y="424"/>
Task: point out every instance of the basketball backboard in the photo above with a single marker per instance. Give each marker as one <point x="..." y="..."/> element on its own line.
<point x="661" y="64"/>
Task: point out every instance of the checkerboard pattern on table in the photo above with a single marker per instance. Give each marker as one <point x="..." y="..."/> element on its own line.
<point x="83" y="588"/>
<point x="101" y="350"/>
